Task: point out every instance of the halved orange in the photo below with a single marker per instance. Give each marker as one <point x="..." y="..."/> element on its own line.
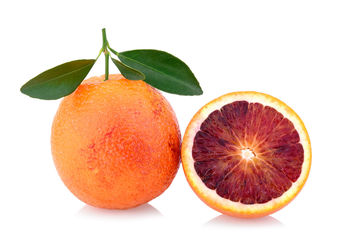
<point x="246" y="154"/>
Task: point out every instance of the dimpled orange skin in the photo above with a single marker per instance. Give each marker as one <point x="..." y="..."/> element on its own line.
<point x="115" y="143"/>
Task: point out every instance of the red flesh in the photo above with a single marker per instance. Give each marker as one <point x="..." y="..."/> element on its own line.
<point x="218" y="145"/>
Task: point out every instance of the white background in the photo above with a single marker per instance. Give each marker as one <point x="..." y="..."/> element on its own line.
<point x="297" y="51"/>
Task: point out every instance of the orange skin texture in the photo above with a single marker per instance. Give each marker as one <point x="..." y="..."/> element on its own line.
<point x="115" y="143"/>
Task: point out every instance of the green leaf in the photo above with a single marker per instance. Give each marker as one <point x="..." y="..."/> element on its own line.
<point x="59" y="81"/>
<point x="163" y="71"/>
<point x="128" y="72"/>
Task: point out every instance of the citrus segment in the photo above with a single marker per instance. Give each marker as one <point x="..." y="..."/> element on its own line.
<point x="244" y="154"/>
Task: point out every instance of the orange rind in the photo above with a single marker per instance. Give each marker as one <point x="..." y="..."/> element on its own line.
<point x="246" y="154"/>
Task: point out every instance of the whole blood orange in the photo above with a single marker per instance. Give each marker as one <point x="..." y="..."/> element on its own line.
<point x="115" y="143"/>
<point x="246" y="154"/>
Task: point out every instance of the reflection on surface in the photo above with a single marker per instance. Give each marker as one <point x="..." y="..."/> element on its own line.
<point x="145" y="210"/>
<point x="227" y="221"/>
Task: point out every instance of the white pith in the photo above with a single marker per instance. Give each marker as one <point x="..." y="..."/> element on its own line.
<point x="247" y="154"/>
<point x="210" y="195"/>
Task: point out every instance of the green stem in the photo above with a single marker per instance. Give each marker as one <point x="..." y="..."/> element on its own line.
<point x="99" y="54"/>
<point x="112" y="50"/>
<point x="104" y="39"/>
<point x="106" y="64"/>
<point x="106" y="52"/>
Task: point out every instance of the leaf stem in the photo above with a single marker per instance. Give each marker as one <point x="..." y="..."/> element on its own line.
<point x="112" y="50"/>
<point x="106" y="52"/>
<point x="99" y="53"/>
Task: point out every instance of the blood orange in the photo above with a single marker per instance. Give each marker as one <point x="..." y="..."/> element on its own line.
<point x="246" y="154"/>
<point x="116" y="142"/>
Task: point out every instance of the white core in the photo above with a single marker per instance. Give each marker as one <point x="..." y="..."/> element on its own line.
<point x="247" y="154"/>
